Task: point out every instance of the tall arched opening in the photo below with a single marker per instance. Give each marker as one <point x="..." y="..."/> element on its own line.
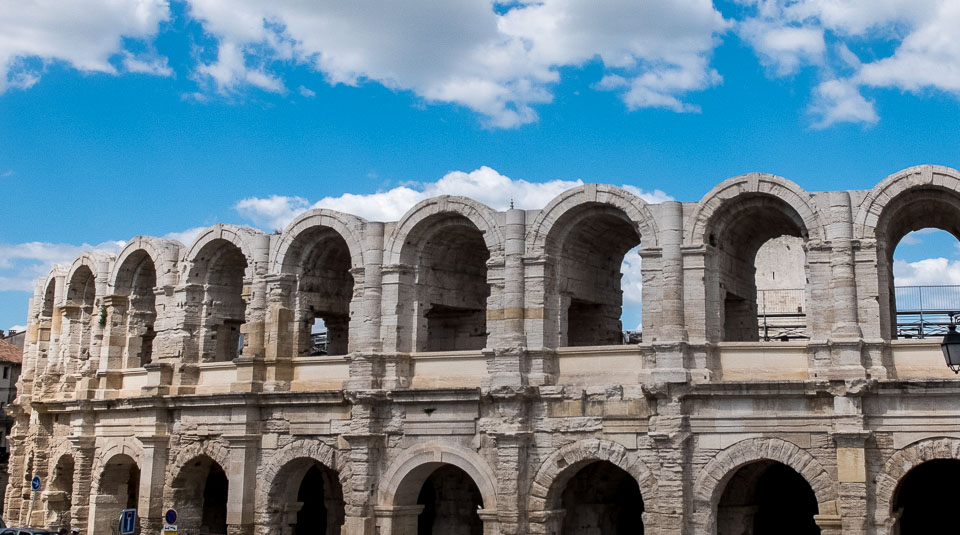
<point x="909" y="219"/>
<point x="137" y="280"/>
<point x="200" y="496"/>
<point x="767" y="497"/>
<point x="220" y="268"/>
<point x="450" y="501"/>
<point x="602" y="498"/>
<point x="118" y="489"/>
<point x="449" y="289"/>
<point x="79" y="308"/>
<point x="925" y="497"/>
<point x="320" y="259"/>
<point x="306" y="498"/>
<point x="736" y="232"/>
<point x="591" y="244"/>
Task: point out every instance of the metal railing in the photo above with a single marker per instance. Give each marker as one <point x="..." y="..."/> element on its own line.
<point x="781" y="314"/>
<point x="924" y="311"/>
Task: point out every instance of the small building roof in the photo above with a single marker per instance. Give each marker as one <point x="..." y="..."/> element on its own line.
<point x="10" y="352"/>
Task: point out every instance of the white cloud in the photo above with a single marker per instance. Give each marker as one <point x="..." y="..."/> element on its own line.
<point x="485" y="185"/>
<point x="306" y="92"/>
<point x="149" y="64"/>
<point x="790" y="34"/>
<point x="927" y="272"/>
<point x="274" y="212"/>
<point x="22" y="263"/>
<point x="186" y="237"/>
<point x="83" y="34"/>
<point x="495" y="59"/>
<point x="839" y="101"/>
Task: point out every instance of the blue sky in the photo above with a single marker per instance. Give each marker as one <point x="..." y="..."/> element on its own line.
<point x="149" y="117"/>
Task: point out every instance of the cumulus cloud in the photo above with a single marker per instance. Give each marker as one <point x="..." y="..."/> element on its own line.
<point x="86" y="35"/>
<point x="485" y="185"/>
<point x="927" y="272"/>
<point x="22" y="263"/>
<point x="839" y="101"/>
<point x="497" y="59"/>
<point x="791" y="34"/>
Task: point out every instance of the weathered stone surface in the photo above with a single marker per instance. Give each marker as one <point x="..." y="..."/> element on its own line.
<point x="487" y="344"/>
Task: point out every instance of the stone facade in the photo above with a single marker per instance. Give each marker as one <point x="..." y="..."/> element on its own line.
<point x="475" y="380"/>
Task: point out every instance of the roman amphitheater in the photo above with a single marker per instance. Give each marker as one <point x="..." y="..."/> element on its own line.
<point x="475" y="378"/>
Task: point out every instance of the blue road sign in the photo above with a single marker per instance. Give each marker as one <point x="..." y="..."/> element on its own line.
<point x="171" y="516"/>
<point x="35" y="483"/>
<point x="128" y="522"/>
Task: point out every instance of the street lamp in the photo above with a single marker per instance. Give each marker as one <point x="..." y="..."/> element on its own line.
<point x="951" y="348"/>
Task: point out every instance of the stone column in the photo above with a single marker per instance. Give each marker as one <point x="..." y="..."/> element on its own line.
<point x="84" y="480"/>
<point x="152" y="475"/>
<point x="670" y="336"/>
<point x="670" y="433"/>
<point x="111" y="353"/>
<point x="242" y="477"/>
<point x="506" y="353"/>
<point x="282" y="332"/>
<point x="368" y="333"/>
<point x="512" y="469"/>
<point x="363" y="447"/>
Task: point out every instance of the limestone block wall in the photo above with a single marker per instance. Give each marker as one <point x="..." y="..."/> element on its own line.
<point x="477" y="381"/>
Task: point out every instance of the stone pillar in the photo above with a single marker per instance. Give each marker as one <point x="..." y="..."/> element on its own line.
<point x="111" y="353"/>
<point x="851" y="512"/>
<point x="670" y="336"/>
<point x="396" y="319"/>
<point x="843" y="284"/>
<point x="512" y="469"/>
<point x="282" y="332"/>
<point x="513" y="298"/>
<point x="670" y="434"/>
<point x="84" y="481"/>
<point x="368" y="333"/>
<point x="152" y="476"/>
<point x="241" y="472"/>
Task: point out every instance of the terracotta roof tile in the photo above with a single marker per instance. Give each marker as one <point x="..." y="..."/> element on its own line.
<point x="10" y="352"/>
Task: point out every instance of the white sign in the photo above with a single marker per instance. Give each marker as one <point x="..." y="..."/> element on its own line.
<point x="169" y="528"/>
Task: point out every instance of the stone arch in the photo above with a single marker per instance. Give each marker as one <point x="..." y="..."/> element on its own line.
<point x="882" y="195"/>
<point x="714" y="477"/>
<point x="244" y="238"/>
<point x="584" y="197"/>
<point x="481" y="215"/>
<point x="285" y="462"/>
<point x="925" y="196"/>
<point x="216" y="450"/>
<point x="564" y="463"/>
<point x="164" y="254"/>
<point x="349" y="227"/>
<point x="100" y="265"/>
<point x="900" y="463"/>
<point x="112" y="447"/>
<point x="752" y="184"/>
<point x="401" y="482"/>
<point x="318" y="451"/>
<point x="47" y="297"/>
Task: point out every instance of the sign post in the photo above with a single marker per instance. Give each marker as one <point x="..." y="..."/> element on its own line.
<point x="128" y="522"/>
<point x="170" y="522"/>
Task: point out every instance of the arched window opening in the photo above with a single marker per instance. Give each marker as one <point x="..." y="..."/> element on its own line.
<point x="781" y="290"/>
<point x="926" y="283"/>
<point x="46" y="310"/>
<point x="911" y="254"/>
<point x="321" y="259"/>
<point x="598" y="277"/>
<point x="220" y="267"/>
<point x="320" y="496"/>
<point x="451" y="286"/>
<point x="60" y="500"/>
<point x="200" y="497"/>
<point x="738" y="232"/>
<point x="602" y="498"/>
<point x="80" y="309"/>
<point x="924" y="499"/>
<point x="137" y="280"/>
<point x="767" y="497"/>
<point x="119" y="489"/>
<point x="450" y="501"/>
